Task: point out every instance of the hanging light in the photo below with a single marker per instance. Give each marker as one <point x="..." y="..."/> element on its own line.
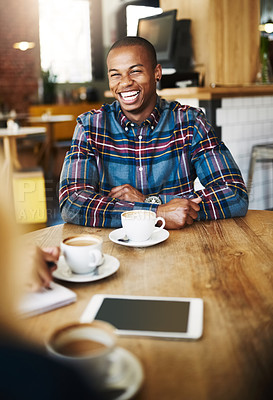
<point x="24" y="45"/>
<point x="267" y="27"/>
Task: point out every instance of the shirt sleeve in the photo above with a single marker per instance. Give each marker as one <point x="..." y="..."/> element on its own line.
<point x="224" y="194"/>
<point x="80" y="200"/>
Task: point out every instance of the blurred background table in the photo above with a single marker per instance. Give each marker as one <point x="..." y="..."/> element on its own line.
<point x="26" y="186"/>
<point x="9" y="143"/>
<point x="47" y="155"/>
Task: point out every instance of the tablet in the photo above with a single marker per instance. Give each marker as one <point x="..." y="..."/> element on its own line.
<point x="165" y="317"/>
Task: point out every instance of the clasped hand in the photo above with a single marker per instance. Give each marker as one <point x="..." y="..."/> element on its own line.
<point x="128" y="193"/>
<point x="179" y="212"/>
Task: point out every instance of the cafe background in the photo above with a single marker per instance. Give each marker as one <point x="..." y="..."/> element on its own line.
<point x="231" y="51"/>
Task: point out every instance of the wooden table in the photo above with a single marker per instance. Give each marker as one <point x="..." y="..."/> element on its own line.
<point x="228" y="263"/>
<point x="48" y="149"/>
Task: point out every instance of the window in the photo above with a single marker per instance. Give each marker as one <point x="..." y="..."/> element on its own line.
<point x="133" y="13"/>
<point x="65" y="39"/>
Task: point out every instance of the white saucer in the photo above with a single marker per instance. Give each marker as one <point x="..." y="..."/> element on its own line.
<point x="125" y="376"/>
<point x="157" y="237"/>
<point x="108" y="267"/>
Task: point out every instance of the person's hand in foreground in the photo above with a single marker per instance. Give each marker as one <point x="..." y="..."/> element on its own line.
<point x="40" y="265"/>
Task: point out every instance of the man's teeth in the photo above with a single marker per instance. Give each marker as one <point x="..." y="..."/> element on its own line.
<point x="131" y="95"/>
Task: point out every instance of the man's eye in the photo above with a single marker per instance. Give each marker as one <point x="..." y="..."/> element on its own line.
<point x="135" y="71"/>
<point x="114" y="75"/>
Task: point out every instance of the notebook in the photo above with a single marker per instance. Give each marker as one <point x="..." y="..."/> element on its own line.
<point x="34" y="303"/>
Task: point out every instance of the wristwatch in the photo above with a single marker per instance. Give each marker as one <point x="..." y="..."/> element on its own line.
<point x="153" y="200"/>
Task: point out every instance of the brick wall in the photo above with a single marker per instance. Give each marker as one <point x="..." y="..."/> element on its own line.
<point x="19" y="70"/>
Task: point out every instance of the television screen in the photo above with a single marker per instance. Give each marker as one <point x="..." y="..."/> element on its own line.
<point x="160" y="31"/>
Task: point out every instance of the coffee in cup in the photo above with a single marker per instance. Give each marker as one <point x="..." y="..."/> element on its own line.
<point x="139" y="225"/>
<point x="83" y="254"/>
<point x="85" y="346"/>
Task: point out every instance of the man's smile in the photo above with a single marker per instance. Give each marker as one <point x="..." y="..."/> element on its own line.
<point x="129" y="97"/>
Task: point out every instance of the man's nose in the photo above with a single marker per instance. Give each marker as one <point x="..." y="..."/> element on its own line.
<point x="125" y="80"/>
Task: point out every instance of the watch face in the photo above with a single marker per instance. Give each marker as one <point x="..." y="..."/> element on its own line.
<point x="153" y="200"/>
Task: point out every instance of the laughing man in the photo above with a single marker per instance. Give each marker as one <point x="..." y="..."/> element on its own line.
<point x="144" y="153"/>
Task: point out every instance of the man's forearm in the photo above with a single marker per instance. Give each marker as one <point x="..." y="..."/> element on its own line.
<point x="225" y="202"/>
<point x="88" y="208"/>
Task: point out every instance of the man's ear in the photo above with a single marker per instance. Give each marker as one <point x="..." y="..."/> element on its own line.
<point x="158" y="72"/>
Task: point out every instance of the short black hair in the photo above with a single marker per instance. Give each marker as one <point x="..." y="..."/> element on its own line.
<point x="136" y="41"/>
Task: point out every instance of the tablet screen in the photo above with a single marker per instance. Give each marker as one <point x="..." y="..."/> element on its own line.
<point x="145" y="315"/>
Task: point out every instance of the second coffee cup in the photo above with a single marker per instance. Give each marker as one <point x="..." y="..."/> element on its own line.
<point x="139" y="225"/>
<point x="83" y="254"/>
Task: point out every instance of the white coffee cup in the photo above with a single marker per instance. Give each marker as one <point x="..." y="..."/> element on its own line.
<point x="83" y="253"/>
<point x="85" y="346"/>
<point x="139" y="225"/>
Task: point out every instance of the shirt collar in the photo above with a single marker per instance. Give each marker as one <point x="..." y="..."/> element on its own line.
<point x="152" y="120"/>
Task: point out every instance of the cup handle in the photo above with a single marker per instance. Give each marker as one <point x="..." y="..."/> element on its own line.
<point x="95" y="258"/>
<point x="161" y="226"/>
<point x="65" y="269"/>
<point x="117" y="367"/>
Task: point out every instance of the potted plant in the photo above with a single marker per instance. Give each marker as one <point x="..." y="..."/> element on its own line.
<point x="49" y="87"/>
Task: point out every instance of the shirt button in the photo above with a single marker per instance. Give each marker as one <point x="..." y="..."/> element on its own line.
<point x="140" y="137"/>
<point x="126" y="128"/>
<point x="152" y="127"/>
<point x="140" y="169"/>
<point x="132" y="124"/>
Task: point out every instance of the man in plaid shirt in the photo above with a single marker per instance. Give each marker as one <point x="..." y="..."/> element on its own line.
<point x="142" y="152"/>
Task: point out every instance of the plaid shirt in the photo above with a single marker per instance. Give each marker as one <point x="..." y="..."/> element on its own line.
<point x="162" y="156"/>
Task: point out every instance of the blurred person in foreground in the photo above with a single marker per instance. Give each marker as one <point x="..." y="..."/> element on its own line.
<point x="143" y="152"/>
<point x="26" y="372"/>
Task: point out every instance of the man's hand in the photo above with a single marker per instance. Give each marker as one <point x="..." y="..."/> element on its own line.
<point x="40" y="264"/>
<point x="128" y="193"/>
<point x="179" y="212"/>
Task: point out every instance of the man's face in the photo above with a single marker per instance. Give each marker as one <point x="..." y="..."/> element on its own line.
<point x="132" y="79"/>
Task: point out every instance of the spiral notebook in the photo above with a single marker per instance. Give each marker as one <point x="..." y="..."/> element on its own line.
<point x="35" y="303"/>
